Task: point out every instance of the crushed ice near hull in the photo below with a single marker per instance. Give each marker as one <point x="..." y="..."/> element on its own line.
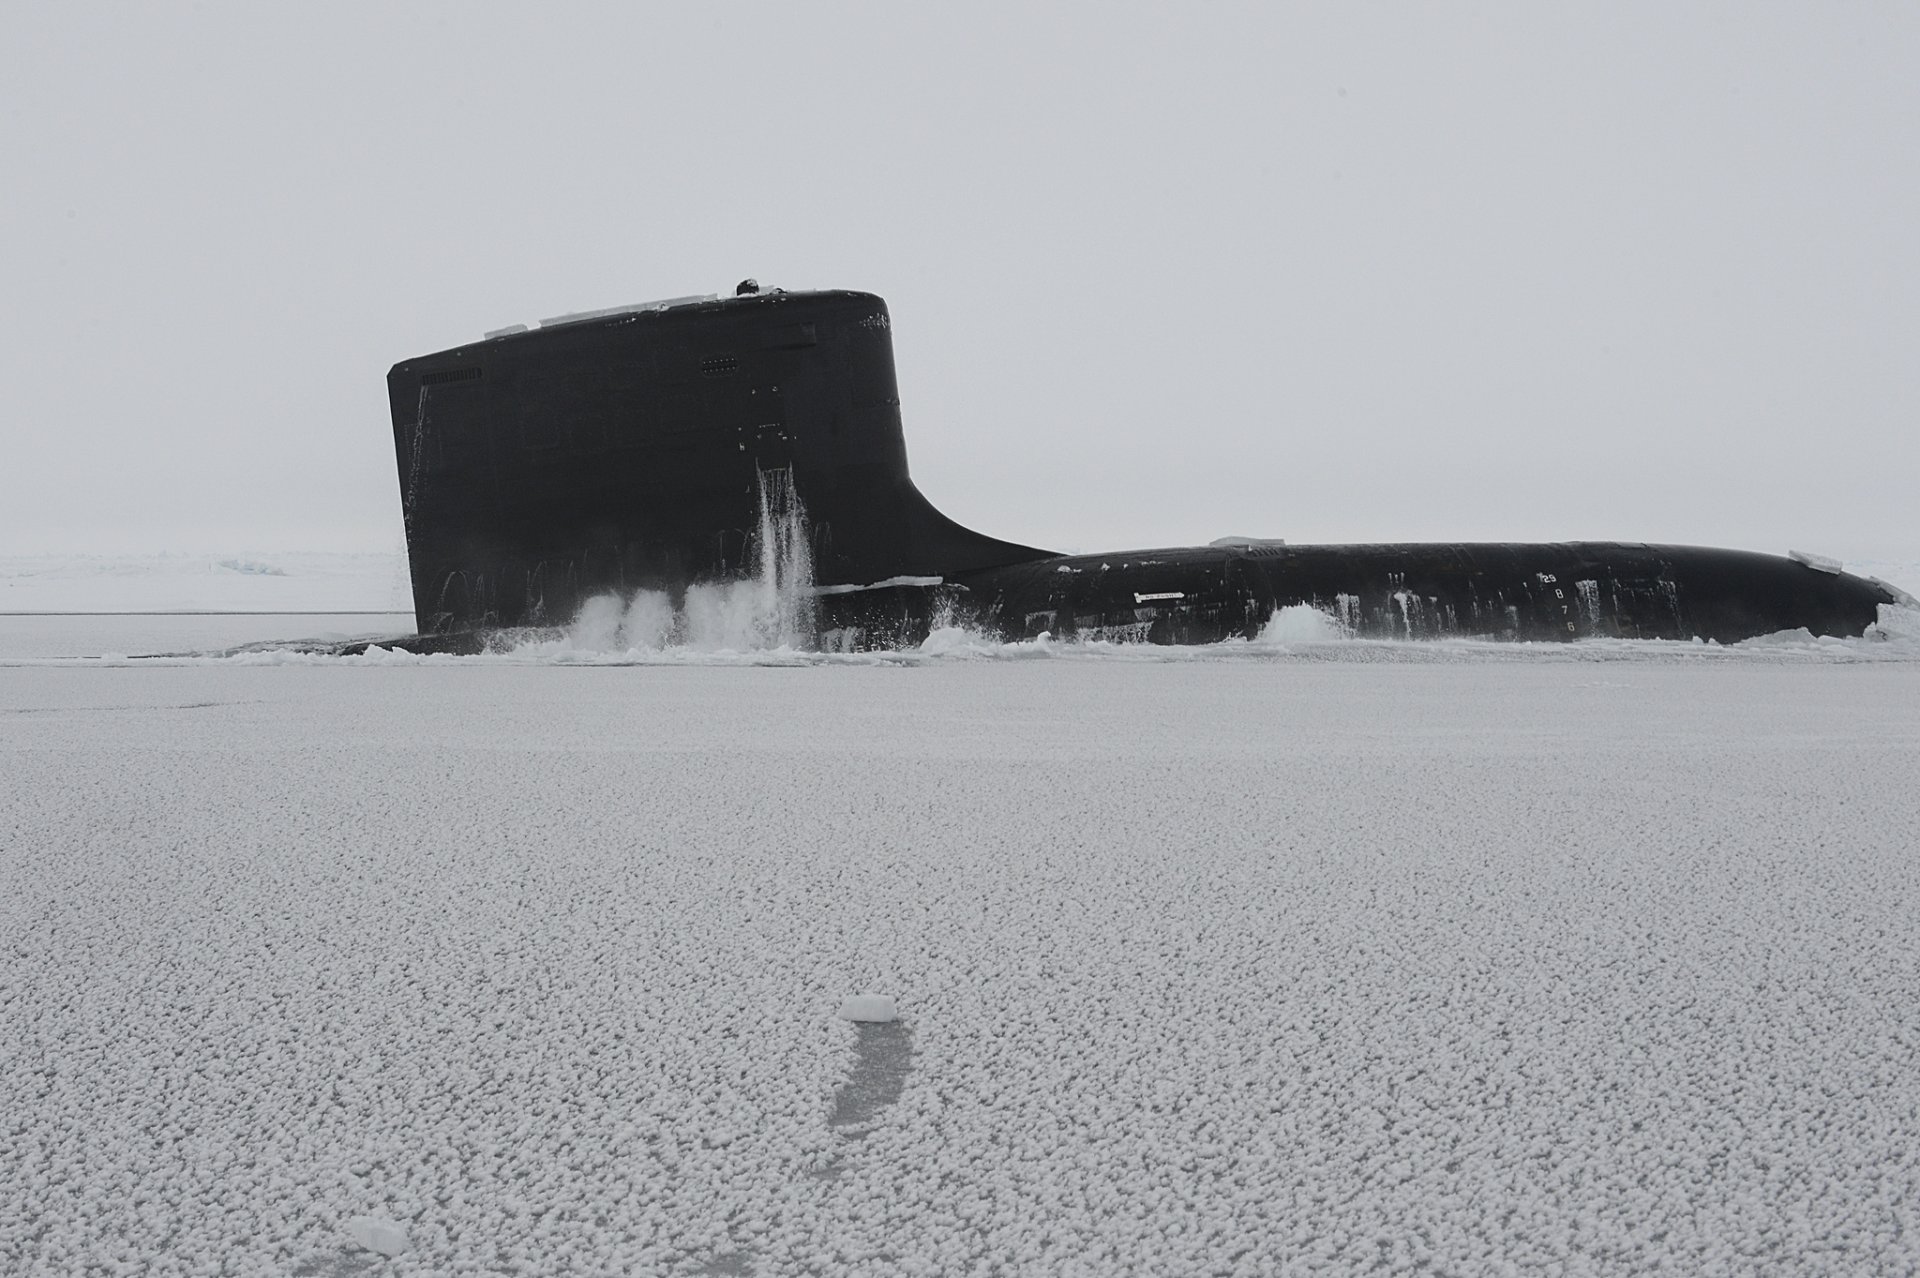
<point x="758" y="440"/>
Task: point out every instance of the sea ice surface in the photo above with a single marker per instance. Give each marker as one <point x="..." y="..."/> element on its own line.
<point x="306" y="581"/>
<point x="1331" y="958"/>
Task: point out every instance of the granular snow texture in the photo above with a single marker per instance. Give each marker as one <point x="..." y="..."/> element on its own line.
<point x="1230" y="968"/>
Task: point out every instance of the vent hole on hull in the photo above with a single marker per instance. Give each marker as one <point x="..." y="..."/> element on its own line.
<point x="446" y="375"/>
<point x="719" y="366"/>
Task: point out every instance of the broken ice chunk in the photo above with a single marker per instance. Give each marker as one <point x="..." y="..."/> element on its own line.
<point x="868" y="1007"/>
<point x="375" y="1234"/>
<point x="1819" y="563"/>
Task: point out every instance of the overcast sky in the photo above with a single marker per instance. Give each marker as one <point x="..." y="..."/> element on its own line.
<point x="1345" y="272"/>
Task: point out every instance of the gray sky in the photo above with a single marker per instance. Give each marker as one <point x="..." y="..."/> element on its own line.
<point x="1157" y="275"/>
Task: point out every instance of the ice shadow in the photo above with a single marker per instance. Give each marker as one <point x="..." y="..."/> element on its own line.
<point x="350" y="1263"/>
<point x="882" y="1059"/>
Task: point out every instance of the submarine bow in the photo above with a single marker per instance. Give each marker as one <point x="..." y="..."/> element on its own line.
<point x="637" y="449"/>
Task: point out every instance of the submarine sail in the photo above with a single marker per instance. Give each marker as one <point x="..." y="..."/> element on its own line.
<point x="615" y="451"/>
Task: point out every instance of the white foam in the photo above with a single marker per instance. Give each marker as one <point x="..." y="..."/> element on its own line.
<point x="597" y="626"/>
<point x="649" y="623"/>
<point x="1302" y="623"/>
<point x="771" y="610"/>
<point x="956" y="641"/>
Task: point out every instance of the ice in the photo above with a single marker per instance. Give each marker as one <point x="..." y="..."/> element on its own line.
<point x="375" y="1234"/>
<point x="868" y="1007"/>
<point x="1898" y="624"/>
<point x="1898" y="629"/>
<point x="1330" y="958"/>
<point x="252" y="566"/>
<point x="879" y="585"/>
<point x="374" y="583"/>
<point x="1819" y="563"/>
<point x="1901" y="599"/>
<point x="607" y="312"/>
<point x="735" y="629"/>
<point x="254" y="582"/>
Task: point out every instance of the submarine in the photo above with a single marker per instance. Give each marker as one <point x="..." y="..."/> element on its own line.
<point x="667" y="444"/>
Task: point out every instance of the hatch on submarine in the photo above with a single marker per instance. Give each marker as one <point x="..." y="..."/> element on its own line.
<point x="654" y="446"/>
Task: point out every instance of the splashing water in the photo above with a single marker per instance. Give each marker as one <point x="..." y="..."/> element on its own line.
<point x="1589" y="593"/>
<point x="784" y="567"/>
<point x="1348" y="613"/>
<point x="769" y="610"/>
<point x="1301" y="623"/>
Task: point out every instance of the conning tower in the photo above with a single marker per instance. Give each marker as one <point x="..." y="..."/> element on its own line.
<point x="622" y="449"/>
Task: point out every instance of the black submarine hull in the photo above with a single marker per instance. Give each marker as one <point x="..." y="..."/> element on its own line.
<point x="1551" y="592"/>
<point x="636" y="450"/>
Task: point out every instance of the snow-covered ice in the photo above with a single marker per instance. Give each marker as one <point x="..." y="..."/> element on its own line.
<point x="301" y="581"/>
<point x="1451" y="959"/>
<point x="62" y="635"/>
